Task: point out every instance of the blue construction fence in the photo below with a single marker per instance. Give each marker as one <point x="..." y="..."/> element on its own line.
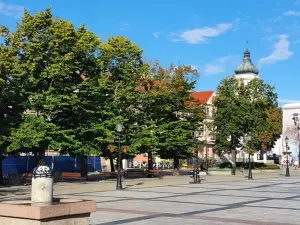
<point x="25" y="164"/>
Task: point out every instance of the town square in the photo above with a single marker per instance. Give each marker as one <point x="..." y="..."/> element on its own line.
<point x="154" y="112"/>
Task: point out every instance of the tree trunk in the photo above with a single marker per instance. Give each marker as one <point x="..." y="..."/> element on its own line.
<point x="41" y="154"/>
<point x="112" y="165"/>
<point x="233" y="158"/>
<point x="176" y="166"/>
<point x="150" y="161"/>
<point x="1" y="169"/>
<point x="84" y="169"/>
<point x="121" y="164"/>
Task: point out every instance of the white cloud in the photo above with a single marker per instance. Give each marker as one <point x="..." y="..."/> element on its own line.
<point x="124" y="26"/>
<point x="156" y="34"/>
<point x="200" y="35"/>
<point x="280" y="52"/>
<point x="211" y="69"/>
<point x="288" y="101"/>
<point x="12" y="10"/>
<point x="219" y="65"/>
<point x="292" y="13"/>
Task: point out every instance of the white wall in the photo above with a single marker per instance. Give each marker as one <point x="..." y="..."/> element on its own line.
<point x="289" y="130"/>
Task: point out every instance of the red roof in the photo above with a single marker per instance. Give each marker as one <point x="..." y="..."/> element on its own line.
<point x="202" y="96"/>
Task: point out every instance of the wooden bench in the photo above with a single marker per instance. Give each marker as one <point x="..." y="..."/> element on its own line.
<point x="135" y="173"/>
<point x="108" y="175"/>
<point x="72" y="176"/>
<point x="155" y="173"/>
<point x="6" y="179"/>
<point x="26" y="178"/>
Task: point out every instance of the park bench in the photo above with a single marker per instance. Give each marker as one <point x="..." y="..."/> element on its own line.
<point x="6" y="179"/>
<point x="26" y="178"/>
<point x="108" y="175"/>
<point x="72" y="176"/>
<point x="135" y="173"/>
<point x="155" y="173"/>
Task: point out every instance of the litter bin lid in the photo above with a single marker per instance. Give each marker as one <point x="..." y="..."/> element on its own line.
<point x="42" y="170"/>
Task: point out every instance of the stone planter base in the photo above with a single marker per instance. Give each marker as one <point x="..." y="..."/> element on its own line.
<point x="71" y="220"/>
<point x="60" y="212"/>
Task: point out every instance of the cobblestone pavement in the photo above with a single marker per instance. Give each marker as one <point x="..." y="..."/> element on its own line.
<point x="271" y="201"/>
<point x="23" y="192"/>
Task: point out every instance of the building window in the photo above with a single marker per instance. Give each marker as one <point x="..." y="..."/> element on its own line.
<point x="260" y="156"/>
<point x="213" y="112"/>
<point x="207" y="111"/>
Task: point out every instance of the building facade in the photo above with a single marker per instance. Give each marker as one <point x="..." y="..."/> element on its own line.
<point x="207" y="136"/>
<point x="289" y="129"/>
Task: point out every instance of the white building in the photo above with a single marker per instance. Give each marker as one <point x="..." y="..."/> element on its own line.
<point x="288" y="130"/>
<point x="205" y="98"/>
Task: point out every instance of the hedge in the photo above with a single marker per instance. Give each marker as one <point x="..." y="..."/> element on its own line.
<point x="255" y="165"/>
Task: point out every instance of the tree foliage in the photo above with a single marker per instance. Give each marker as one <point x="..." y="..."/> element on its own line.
<point x="78" y="88"/>
<point x="241" y="109"/>
<point x="165" y="113"/>
<point x="272" y="133"/>
<point x="49" y="57"/>
<point x="33" y="133"/>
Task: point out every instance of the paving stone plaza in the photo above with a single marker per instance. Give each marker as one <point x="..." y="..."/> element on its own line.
<point x="263" y="201"/>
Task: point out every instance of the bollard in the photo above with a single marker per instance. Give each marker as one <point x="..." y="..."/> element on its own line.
<point x="42" y="184"/>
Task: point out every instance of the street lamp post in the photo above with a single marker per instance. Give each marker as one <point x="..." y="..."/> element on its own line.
<point x="249" y="138"/>
<point x="297" y="125"/>
<point x="233" y="155"/>
<point x="287" y="148"/>
<point x="119" y="128"/>
<point x="196" y="171"/>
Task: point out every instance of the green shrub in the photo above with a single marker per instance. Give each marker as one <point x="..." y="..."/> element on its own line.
<point x="245" y="165"/>
<point x="271" y="167"/>
<point x="225" y="165"/>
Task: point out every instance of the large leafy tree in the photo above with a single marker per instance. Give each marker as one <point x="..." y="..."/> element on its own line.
<point x="166" y="113"/>
<point x="241" y="110"/>
<point x="49" y="59"/>
<point x="109" y="97"/>
<point x="11" y="98"/>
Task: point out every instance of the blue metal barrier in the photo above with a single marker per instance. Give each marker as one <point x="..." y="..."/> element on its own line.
<point x="25" y="164"/>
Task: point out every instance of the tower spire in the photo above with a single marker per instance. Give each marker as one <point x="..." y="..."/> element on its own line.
<point x="246" y="65"/>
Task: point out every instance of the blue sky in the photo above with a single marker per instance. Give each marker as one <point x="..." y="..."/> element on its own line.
<point x="210" y="35"/>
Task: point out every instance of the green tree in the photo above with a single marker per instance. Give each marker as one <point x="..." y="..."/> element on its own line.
<point x="273" y="131"/>
<point x="241" y="109"/>
<point x="50" y="58"/>
<point x="171" y="114"/>
<point x="109" y="97"/>
<point x="11" y="99"/>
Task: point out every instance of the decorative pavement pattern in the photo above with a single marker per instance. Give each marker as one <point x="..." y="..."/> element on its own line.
<point x="273" y="201"/>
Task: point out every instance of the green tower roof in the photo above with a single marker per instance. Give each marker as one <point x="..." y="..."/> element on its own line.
<point x="246" y="65"/>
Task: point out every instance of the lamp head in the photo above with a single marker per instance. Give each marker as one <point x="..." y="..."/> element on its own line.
<point x="286" y="140"/>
